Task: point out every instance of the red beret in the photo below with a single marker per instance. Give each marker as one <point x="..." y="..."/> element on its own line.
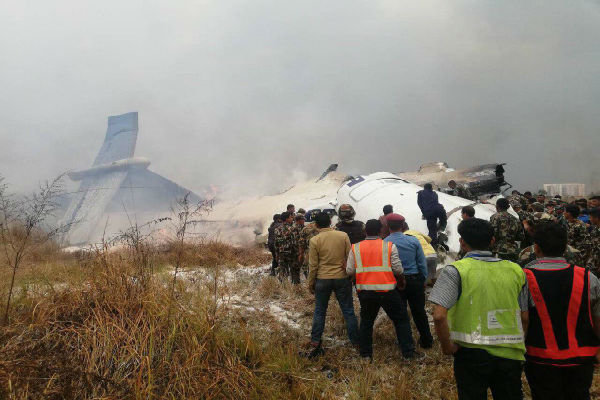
<point x="395" y="217"/>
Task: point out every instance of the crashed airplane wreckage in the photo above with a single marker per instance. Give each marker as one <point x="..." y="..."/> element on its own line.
<point x="367" y="194"/>
<point x="117" y="182"/>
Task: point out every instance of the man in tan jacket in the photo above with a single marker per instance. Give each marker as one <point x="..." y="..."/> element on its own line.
<point x="328" y="252"/>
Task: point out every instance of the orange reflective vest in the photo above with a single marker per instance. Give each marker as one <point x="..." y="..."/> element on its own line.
<point x="373" y="263"/>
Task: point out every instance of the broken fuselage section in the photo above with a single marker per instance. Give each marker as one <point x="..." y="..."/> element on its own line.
<point x="481" y="180"/>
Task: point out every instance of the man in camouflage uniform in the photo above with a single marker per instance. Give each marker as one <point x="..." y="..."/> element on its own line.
<point x="507" y="232"/>
<point x="517" y="197"/>
<point x="307" y="233"/>
<point x="541" y="198"/>
<point x="577" y="234"/>
<point x="286" y="245"/>
<point x="271" y="241"/>
<point x="594" y="261"/>
<point x="460" y="190"/>
<point x="572" y="255"/>
<point x="298" y="227"/>
<point x="523" y="215"/>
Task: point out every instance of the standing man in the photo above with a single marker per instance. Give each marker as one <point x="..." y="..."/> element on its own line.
<point x="466" y="213"/>
<point x="523" y="215"/>
<point x="354" y="229"/>
<point x="480" y="314"/>
<point x="377" y="267"/>
<point x="508" y="230"/>
<point x="415" y="271"/>
<point x="296" y="265"/>
<point x="594" y="261"/>
<point x="271" y="242"/>
<point x="385" y="230"/>
<point x="328" y="253"/>
<point x="307" y="233"/>
<point x="577" y="234"/>
<point x="564" y="321"/>
<point x="527" y="255"/>
<point x="286" y="245"/>
<point x="291" y="209"/>
<point x="541" y="198"/>
<point x="432" y="210"/>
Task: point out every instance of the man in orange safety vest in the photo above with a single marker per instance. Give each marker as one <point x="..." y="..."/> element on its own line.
<point x="378" y="271"/>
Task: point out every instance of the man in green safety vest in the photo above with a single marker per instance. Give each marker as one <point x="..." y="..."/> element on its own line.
<point x="480" y="314"/>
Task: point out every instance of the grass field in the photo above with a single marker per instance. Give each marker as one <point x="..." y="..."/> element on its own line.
<point x="111" y="325"/>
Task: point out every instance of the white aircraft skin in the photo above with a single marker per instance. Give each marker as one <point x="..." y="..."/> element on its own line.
<point x="369" y="193"/>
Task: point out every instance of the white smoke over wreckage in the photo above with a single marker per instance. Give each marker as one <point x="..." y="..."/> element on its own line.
<point x="118" y="190"/>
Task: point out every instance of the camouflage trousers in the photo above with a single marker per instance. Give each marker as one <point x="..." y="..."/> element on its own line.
<point x="289" y="266"/>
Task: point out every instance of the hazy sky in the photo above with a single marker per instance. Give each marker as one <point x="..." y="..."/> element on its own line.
<point x="263" y="91"/>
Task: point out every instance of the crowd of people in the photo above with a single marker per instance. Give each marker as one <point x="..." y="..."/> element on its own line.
<point x="523" y="293"/>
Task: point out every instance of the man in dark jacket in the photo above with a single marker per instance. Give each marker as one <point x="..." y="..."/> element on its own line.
<point x="271" y="241"/>
<point x="354" y="229"/>
<point x="432" y="210"/>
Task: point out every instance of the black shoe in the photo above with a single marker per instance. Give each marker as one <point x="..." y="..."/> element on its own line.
<point x="414" y="356"/>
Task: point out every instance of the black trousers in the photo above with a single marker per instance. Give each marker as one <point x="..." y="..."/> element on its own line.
<point x="432" y="217"/>
<point x="476" y="370"/>
<point x="274" y="262"/>
<point x="414" y="294"/>
<point x="548" y="382"/>
<point x="395" y="308"/>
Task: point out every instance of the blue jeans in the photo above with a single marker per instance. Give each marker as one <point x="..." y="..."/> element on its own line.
<point x="343" y="293"/>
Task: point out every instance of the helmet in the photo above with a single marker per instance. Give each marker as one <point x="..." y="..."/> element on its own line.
<point x="346" y="212"/>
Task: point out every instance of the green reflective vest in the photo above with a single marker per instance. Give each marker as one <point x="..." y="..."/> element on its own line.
<point x="487" y="314"/>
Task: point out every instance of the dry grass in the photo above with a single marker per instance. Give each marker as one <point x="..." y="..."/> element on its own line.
<point x="88" y="327"/>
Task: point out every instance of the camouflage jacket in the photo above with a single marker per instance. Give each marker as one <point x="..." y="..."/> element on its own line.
<point x="307" y="233"/>
<point x="594" y="260"/>
<point x="519" y="199"/>
<point x="524" y="215"/>
<point x="271" y="237"/>
<point x="573" y="256"/>
<point x="464" y="192"/>
<point x="286" y="240"/>
<point x="579" y="237"/>
<point x="508" y="230"/>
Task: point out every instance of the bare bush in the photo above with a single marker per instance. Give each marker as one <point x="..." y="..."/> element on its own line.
<point x="23" y="226"/>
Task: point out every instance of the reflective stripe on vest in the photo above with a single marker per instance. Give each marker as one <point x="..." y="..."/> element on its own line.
<point x="574" y="352"/>
<point x="373" y="265"/>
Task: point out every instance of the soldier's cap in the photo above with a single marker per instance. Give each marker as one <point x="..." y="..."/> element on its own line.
<point x="395" y="217"/>
<point x="299" y="217"/>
